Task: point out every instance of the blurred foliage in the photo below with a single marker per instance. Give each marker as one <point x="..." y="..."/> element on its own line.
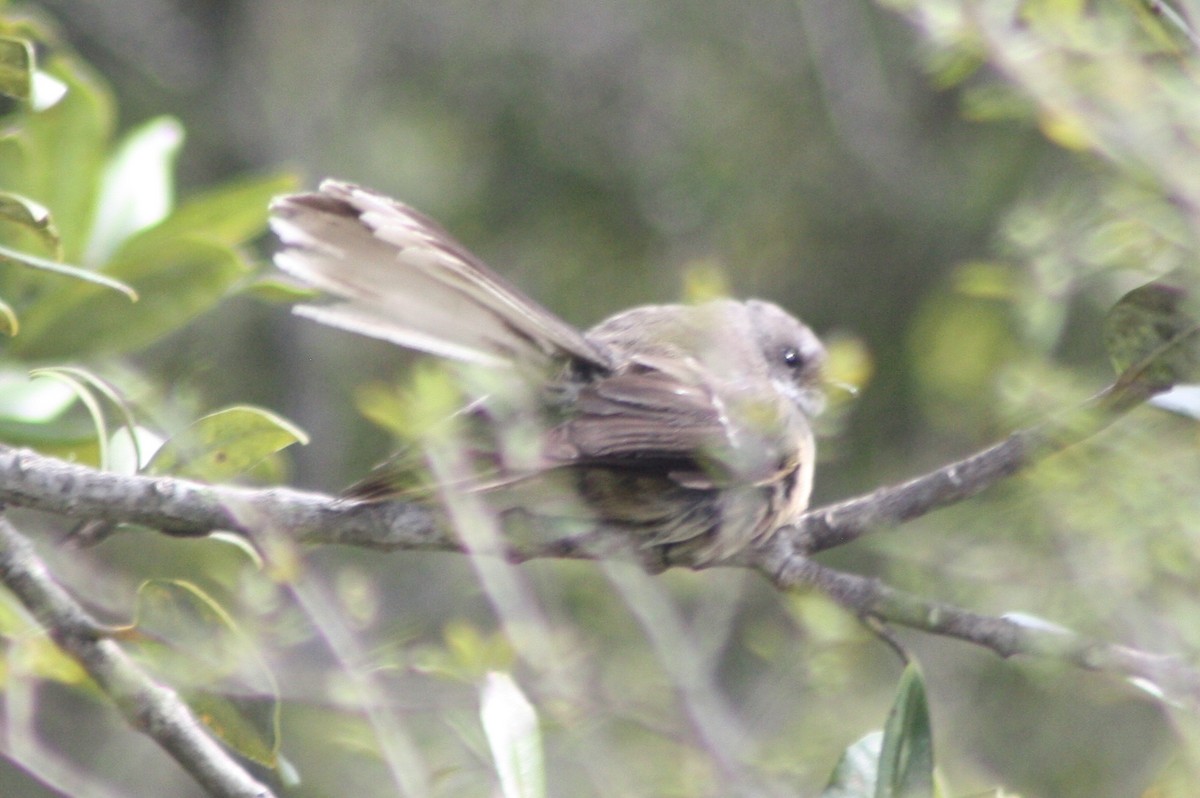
<point x="956" y="192"/>
<point x="99" y="261"/>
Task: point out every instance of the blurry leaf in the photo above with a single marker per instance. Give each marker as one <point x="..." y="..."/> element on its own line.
<point x="30" y="216"/>
<point x="273" y="289"/>
<point x="240" y="543"/>
<point x="33" y="261"/>
<point x="383" y="404"/>
<point x="511" y="725"/>
<point x="703" y="281"/>
<point x="230" y="214"/>
<point x="477" y="653"/>
<point x="1068" y="132"/>
<point x="16" y="68"/>
<point x="985" y="280"/>
<point x="47" y="91"/>
<point x="9" y="324"/>
<point x="1060" y="14"/>
<point x="37" y="401"/>
<point x="413" y="411"/>
<point x="248" y="726"/>
<point x="906" y="758"/>
<point x="952" y="67"/>
<point x="467" y="654"/>
<point x="857" y="772"/>
<point x="137" y="189"/>
<point x="224" y="444"/>
<point x="131" y="446"/>
<point x="183" y="634"/>
<point x="991" y="102"/>
<point x="30" y="650"/>
<point x="84" y="393"/>
<point x="38" y="655"/>
<point x="849" y="366"/>
<point x="33" y="412"/>
<point x="93" y="382"/>
<point x="176" y="279"/>
<point x="72" y="438"/>
<point x="55" y="156"/>
<point x="959" y="344"/>
<point x="1153" y="336"/>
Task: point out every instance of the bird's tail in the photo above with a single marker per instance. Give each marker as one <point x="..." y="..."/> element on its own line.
<point x="400" y="277"/>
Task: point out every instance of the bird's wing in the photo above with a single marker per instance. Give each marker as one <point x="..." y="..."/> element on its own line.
<point x="404" y="279"/>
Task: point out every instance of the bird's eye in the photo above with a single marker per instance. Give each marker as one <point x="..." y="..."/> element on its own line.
<point x="792" y="358"/>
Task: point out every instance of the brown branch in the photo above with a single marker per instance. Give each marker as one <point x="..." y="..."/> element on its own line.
<point x="149" y="707"/>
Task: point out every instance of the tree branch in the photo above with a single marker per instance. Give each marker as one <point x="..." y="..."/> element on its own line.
<point x="838" y="524"/>
<point x="181" y="507"/>
<point x="151" y="708"/>
<point x="1169" y="676"/>
<point x="186" y="508"/>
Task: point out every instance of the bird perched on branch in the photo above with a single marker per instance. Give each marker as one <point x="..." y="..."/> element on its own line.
<point x="682" y="425"/>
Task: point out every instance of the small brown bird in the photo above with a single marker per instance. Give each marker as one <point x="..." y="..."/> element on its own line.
<point x="683" y="425"/>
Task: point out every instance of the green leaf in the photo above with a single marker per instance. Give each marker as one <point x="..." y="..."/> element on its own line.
<point x="230" y="214"/>
<point x="284" y="292"/>
<point x="66" y="270"/>
<point x="225" y="444"/>
<point x="82" y="379"/>
<point x="36" y="401"/>
<point x="248" y="725"/>
<point x="32" y="217"/>
<point x="9" y="324"/>
<point x="137" y="189"/>
<point x="183" y="634"/>
<point x="84" y="391"/>
<point x="16" y="68"/>
<point x="906" y="758"/>
<point x="56" y="156"/>
<point x="857" y="772"/>
<point x="34" y="412"/>
<point x="177" y="280"/>
<point x="1153" y="336"/>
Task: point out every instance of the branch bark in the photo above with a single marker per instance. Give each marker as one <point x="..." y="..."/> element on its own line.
<point x="149" y="707"/>
<point x="841" y="523"/>
<point x="1168" y="676"/>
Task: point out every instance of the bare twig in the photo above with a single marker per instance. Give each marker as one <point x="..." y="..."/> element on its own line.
<point x="148" y="706"/>
<point x="1167" y="12"/>
<point x="838" y="524"/>
<point x="1170" y="675"/>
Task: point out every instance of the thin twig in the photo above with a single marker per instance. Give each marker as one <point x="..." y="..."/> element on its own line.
<point x="1008" y="637"/>
<point x="841" y="523"/>
<point x="149" y="707"/>
<point x="1163" y="9"/>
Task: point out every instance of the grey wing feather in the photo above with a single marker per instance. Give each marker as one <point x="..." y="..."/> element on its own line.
<point x="646" y="420"/>
<point x="404" y="279"/>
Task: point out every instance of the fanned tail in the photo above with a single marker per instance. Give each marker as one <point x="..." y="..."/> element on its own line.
<point x="400" y="277"/>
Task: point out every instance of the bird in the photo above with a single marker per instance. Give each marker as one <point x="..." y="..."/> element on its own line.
<point x="686" y="427"/>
